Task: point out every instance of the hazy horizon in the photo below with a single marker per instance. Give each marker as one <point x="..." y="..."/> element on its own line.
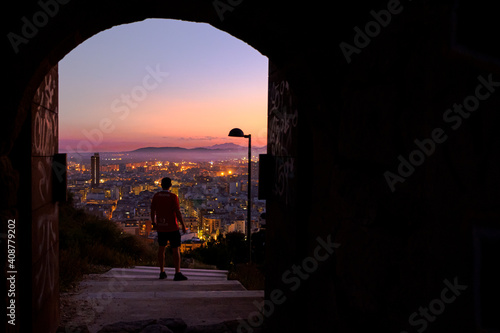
<point x="211" y="147"/>
<point x="172" y="154"/>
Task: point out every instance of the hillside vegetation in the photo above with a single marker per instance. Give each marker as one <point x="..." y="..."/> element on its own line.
<point x="88" y="244"/>
<point x="92" y="245"/>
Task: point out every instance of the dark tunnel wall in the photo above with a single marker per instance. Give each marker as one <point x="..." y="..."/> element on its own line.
<point x="383" y="139"/>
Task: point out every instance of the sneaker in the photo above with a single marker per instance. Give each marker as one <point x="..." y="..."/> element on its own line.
<point x="179" y="277"/>
<point x="163" y="275"/>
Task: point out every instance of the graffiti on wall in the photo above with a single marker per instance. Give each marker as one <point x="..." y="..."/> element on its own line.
<point x="44" y="132"/>
<point x="283" y="117"/>
<point x="45" y="254"/>
<point x="46" y="94"/>
<point x="44" y="232"/>
<point x="44" y="116"/>
<point x="282" y="137"/>
<point x="41" y="184"/>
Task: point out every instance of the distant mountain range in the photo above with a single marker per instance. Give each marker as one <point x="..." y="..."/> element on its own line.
<point x="174" y="154"/>
<point x="229" y="146"/>
<point x="224" y="146"/>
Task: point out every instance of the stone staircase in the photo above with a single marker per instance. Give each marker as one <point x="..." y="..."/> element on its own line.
<point x="136" y="294"/>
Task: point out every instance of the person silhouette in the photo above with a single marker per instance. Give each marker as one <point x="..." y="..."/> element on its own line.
<point x="165" y="215"/>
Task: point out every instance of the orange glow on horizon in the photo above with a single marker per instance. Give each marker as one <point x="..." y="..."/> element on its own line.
<point x="201" y="83"/>
<point x="175" y="123"/>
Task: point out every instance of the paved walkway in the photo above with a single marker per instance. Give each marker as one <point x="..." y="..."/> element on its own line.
<point x="136" y="293"/>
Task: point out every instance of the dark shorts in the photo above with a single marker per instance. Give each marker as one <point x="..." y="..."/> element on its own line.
<point x="174" y="237"/>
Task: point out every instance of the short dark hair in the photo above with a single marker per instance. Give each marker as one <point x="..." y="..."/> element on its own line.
<point x="166" y="183"/>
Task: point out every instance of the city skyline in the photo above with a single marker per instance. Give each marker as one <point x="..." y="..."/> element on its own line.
<point x="161" y="83"/>
<point x="213" y="195"/>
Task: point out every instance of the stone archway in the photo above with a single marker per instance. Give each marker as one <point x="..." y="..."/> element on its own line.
<point x="360" y="104"/>
<point x="46" y="32"/>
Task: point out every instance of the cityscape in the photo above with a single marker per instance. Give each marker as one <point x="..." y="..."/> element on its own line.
<point x="212" y="194"/>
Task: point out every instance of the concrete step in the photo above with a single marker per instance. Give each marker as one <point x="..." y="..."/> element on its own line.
<point x="150" y="295"/>
<point x="128" y="294"/>
<point x="142" y="272"/>
<point x="161" y="285"/>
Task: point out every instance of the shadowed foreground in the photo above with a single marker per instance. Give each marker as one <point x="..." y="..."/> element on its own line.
<point x="135" y="300"/>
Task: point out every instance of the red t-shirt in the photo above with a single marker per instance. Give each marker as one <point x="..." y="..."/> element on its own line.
<point x="164" y="206"/>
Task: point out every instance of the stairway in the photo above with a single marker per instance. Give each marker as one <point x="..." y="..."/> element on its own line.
<point x="131" y="294"/>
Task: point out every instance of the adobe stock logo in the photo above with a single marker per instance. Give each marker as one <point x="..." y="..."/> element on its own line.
<point x="426" y="315"/>
<point x="223" y="6"/>
<point x="121" y="106"/>
<point x="30" y="27"/>
<point x="454" y="117"/>
<point x="372" y="29"/>
<point x="293" y="278"/>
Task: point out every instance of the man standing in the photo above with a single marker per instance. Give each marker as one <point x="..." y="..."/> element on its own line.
<point x="165" y="212"/>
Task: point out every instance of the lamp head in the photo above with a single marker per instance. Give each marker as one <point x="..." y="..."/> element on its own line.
<point x="236" y="132"/>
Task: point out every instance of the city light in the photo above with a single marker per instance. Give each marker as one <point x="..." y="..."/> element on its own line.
<point x="211" y="194"/>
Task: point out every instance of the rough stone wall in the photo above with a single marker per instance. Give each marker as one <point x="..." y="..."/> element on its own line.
<point x="282" y="202"/>
<point x="44" y="223"/>
<point x="27" y="199"/>
<point x="406" y="254"/>
<point x="401" y="247"/>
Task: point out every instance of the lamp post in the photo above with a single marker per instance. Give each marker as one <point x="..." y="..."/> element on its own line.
<point x="236" y="132"/>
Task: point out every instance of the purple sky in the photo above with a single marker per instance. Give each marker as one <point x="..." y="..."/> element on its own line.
<point x="161" y="83"/>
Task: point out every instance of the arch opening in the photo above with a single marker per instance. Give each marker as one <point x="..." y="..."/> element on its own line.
<point x="196" y="89"/>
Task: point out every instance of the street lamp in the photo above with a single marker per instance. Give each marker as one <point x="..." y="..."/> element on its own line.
<point x="236" y="132"/>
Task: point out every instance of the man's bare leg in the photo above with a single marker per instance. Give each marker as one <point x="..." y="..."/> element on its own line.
<point x="176" y="254"/>
<point x="161" y="258"/>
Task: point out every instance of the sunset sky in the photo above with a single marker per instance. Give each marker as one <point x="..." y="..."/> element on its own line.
<point x="161" y="83"/>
